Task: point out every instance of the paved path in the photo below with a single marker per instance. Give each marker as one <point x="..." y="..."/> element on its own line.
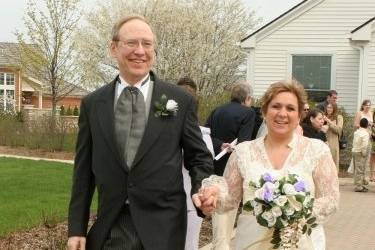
<point x="36" y="158"/>
<point x="353" y="226"/>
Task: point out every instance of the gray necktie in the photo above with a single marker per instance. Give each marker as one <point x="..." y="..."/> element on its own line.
<point x="130" y="121"/>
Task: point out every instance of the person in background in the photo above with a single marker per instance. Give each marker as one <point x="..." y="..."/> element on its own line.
<point x="334" y="123"/>
<point x="360" y="153"/>
<point x="366" y="112"/>
<point x="313" y="124"/>
<point x="330" y="98"/>
<point x="230" y="121"/>
<point x="194" y="222"/>
<point x="306" y="109"/>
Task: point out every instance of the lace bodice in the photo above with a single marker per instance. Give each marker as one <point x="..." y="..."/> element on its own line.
<point x="309" y="158"/>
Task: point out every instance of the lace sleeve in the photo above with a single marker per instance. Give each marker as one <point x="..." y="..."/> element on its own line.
<point x="326" y="187"/>
<point x="230" y="185"/>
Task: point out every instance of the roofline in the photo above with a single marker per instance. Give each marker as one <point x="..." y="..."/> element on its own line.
<point x="274" y="20"/>
<point x="362" y="25"/>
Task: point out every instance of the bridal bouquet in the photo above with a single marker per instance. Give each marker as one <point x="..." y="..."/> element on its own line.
<point x="285" y="205"/>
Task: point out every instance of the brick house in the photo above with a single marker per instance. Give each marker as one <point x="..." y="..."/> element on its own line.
<point x="19" y="90"/>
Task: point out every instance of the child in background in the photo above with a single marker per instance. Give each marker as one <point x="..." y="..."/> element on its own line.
<point x="361" y="153"/>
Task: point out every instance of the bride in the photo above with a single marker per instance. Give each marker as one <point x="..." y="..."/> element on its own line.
<point x="280" y="152"/>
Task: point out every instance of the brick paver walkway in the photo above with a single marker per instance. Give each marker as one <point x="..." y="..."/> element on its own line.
<point x="353" y="226"/>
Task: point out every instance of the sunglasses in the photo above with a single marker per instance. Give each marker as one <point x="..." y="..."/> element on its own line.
<point x="306" y="109"/>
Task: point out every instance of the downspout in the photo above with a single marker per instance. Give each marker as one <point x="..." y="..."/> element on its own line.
<point x="361" y="75"/>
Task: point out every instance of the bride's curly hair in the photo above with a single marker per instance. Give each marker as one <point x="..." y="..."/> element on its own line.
<point x="292" y="86"/>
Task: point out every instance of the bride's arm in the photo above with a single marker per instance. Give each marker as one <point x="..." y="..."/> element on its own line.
<point x="230" y="185"/>
<point x="326" y="186"/>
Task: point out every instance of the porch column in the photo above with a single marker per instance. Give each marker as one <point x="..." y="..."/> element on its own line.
<point x="40" y="100"/>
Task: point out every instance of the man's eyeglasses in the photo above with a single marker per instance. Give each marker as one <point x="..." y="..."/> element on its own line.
<point x="133" y="44"/>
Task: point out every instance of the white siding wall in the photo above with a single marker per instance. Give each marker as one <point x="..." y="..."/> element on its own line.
<point x="371" y="69"/>
<point x="323" y="29"/>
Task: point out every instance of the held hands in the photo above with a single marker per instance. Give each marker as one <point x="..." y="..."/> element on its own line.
<point x="76" y="243"/>
<point x="206" y="199"/>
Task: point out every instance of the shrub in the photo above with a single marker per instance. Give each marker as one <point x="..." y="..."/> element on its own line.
<point x="206" y="104"/>
<point x="62" y="110"/>
<point x="76" y="111"/>
<point x="69" y="111"/>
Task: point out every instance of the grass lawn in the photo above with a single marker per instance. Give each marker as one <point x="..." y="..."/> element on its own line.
<point x="32" y="192"/>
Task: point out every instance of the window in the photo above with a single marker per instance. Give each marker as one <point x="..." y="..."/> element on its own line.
<point x="314" y="73"/>
<point x="9" y="79"/>
<point x="7" y="97"/>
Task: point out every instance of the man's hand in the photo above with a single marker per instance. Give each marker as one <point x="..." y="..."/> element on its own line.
<point x="227" y="146"/>
<point x="206" y="199"/>
<point x="77" y="243"/>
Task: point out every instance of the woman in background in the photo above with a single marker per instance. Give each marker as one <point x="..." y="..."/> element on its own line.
<point x="366" y="112"/>
<point x="313" y="124"/>
<point x="334" y="123"/>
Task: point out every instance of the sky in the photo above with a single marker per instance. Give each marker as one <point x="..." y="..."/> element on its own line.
<point x="11" y="12"/>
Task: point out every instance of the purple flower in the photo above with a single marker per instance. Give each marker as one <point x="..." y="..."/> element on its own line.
<point x="299" y="186"/>
<point x="267" y="177"/>
<point x="268" y="192"/>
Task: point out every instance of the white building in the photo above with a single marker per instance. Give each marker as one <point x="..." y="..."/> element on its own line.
<point x="325" y="44"/>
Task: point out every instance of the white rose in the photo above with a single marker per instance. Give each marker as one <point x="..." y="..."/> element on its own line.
<point x="281" y="200"/>
<point x="276" y="211"/>
<point x="289" y="211"/>
<point x="171" y="106"/>
<point x="268" y="216"/>
<point x="289" y="189"/>
<point x="257" y="209"/>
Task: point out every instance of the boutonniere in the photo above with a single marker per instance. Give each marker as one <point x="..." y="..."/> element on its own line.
<point x="165" y="107"/>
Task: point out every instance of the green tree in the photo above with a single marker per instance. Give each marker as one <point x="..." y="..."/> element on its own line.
<point x="69" y="111"/>
<point x="47" y="47"/>
<point x="194" y="37"/>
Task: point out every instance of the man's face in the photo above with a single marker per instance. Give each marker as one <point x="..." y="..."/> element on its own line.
<point x="134" y="50"/>
<point x="332" y="99"/>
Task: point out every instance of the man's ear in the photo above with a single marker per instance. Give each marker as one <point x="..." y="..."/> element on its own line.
<point x="112" y="49"/>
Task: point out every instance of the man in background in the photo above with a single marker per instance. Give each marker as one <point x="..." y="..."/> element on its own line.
<point x="330" y="98"/>
<point x="230" y="121"/>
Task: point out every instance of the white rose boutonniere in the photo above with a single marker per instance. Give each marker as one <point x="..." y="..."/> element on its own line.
<point x="165" y="107"/>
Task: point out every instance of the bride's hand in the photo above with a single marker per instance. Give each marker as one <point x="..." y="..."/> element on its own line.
<point x="206" y="199"/>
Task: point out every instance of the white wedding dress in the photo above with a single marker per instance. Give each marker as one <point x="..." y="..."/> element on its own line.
<point x="308" y="158"/>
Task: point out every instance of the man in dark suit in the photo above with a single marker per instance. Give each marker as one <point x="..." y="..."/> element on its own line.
<point x="330" y="98"/>
<point x="129" y="148"/>
<point x="230" y="121"/>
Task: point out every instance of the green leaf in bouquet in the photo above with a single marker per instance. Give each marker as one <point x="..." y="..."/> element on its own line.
<point x="300" y="198"/>
<point x="275" y="241"/>
<point x="309" y="231"/>
<point x="304" y="229"/>
<point x="248" y="207"/>
<point x="279" y="224"/>
<point x="311" y="220"/>
<point x="314" y="225"/>
<point x="292" y="178"/>
<point x="276" y="246"/>
<point x="262" y="221"/>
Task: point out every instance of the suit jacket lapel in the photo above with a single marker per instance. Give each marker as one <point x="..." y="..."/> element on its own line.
<point x="154" y="124"/>
<point x="105" y="114"/>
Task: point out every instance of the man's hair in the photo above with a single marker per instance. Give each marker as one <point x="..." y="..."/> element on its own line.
<point x="240" y="92"/>
<point x="187" y="81"/>
<point x="117" y="26"/>
<point x="363" y="123"/>
<point x="291" y="86"/>
<point x="332" y="92"/>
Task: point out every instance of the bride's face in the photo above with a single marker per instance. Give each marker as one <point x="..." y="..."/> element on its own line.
<point x="282" y="116"/>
